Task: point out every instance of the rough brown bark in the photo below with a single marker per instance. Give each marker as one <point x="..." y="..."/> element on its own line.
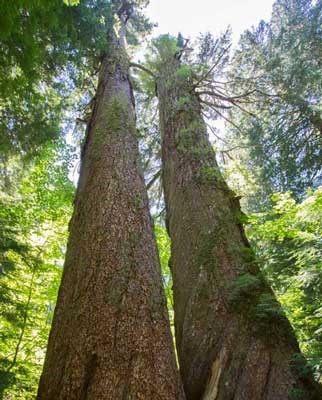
<point x="110" y="338"/>
<point x="233" y="340"/>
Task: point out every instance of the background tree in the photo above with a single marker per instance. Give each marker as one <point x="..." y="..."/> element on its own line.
<point x="287" y="241"/>
<point x="33" y="235"/>
<point x="280" y="136"/>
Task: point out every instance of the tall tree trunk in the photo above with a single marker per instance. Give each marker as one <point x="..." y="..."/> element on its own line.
<point x="111" y="337"/>
<point x="233" y="340"/>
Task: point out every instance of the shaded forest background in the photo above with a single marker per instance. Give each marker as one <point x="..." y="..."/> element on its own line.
<point x="270" y="153"/>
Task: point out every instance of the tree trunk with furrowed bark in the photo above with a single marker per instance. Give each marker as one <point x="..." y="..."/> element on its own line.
<point x="110" y="338"/>
<point x="233" y="340"/>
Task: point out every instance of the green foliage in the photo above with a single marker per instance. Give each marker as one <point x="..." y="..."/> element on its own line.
<point x="185" y="72"/>
<point x="33" y="232"/>
<point x="162" y="54"/>
<point x="279" y="139"/>
<point x="48" y="51"/>
<point x="268" y="308"/>
<point x="184" y="103"/>
<point x="210" y="174"/>
<point x="164" y="48"/>
<point x="71" y="2"/>
<point x="42" y="43"/>
<point x="212" y="56"/>
<point x="245" y="287"/>
<point x="296" y="394"/>
<point x="163" y="242"/>
<point x="288" y="241"/>
<point x="250" y="296"/>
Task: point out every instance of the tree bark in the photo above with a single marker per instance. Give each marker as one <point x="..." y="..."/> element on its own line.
<point x="110" y="337"/>
<point x="233" y="340"/>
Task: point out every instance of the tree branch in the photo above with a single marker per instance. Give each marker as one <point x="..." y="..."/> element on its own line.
<point x="153" y="179"/>
<point x="215" y="105"/>
<point x="141" y="67"/>
<point x="212" y="68"/>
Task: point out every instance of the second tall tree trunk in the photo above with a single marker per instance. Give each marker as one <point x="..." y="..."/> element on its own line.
<point x="233" y="340"/>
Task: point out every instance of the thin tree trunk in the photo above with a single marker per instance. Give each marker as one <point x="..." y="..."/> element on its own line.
<point x="111" y="337"/>
<point x="24" y="320"/>
<point x="233" y="340"/>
